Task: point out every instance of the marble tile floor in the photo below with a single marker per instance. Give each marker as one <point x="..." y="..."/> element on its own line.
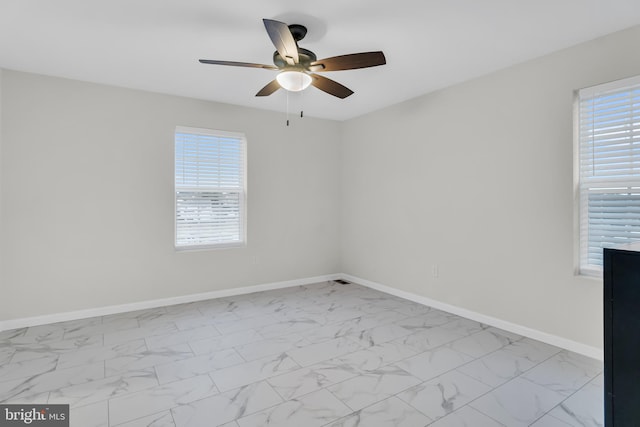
<point x="318" y="355"/>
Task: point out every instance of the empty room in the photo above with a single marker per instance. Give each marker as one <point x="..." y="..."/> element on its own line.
<point x="334" y="214"/>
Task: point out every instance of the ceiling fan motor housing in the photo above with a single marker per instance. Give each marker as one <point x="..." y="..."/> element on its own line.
<point x="305" y="55"/>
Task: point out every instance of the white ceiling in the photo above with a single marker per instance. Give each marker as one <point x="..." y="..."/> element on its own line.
<point x="429" y="44"/>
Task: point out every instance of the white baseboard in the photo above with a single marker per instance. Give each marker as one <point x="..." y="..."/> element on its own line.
<point x="565" y="343"/>
<point x="557" y="341"/>
<point x="142" y="305"/>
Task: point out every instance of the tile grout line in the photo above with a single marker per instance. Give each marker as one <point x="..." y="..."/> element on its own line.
<point x="443" y="373"/>
<point x="512" y="379"/>
<point x="568" y="396"/>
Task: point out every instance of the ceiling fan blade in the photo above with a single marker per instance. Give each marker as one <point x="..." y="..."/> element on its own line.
<point x="271" y="87"/>
<point x="237" y="64"/>
<point x="349" y="62"/>
<point x="330" y="86"/>
<point x="283" y="40"/>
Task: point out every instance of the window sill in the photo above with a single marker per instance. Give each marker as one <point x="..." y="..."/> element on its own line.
<point x="590" y="273"/>
<point x="199" y="248"/>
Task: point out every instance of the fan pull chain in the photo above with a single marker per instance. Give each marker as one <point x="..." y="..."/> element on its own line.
<point x="287" y="108"/>
<point x="302" y="104"/>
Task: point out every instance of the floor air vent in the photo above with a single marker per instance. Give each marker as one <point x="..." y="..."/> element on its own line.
<point x="342" y="282"/>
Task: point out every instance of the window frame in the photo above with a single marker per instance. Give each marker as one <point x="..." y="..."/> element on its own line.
<point x="612" y="185"/>
<point x="242" y="192"/>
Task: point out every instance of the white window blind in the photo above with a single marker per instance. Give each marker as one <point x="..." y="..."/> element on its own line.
<point x="609" y="164"/>
<point x="209" y="188"/>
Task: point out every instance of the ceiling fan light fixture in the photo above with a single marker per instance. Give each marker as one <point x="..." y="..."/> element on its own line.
<point x="293" y="81"/>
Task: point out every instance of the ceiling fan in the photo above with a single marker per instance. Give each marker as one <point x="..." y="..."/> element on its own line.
<point x="298" y="66"/>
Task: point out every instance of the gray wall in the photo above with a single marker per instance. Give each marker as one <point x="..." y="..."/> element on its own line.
<point x="478" y="179"/>
<point x="87" y="197"/>
<point x="1" y="197"/>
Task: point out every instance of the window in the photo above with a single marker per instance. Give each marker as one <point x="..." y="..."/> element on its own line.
<point x="209" y="188"/>
<point x="608" y="138"/>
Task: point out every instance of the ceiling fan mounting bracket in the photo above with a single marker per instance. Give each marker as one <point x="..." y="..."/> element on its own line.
<point x="298" y="31"/>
